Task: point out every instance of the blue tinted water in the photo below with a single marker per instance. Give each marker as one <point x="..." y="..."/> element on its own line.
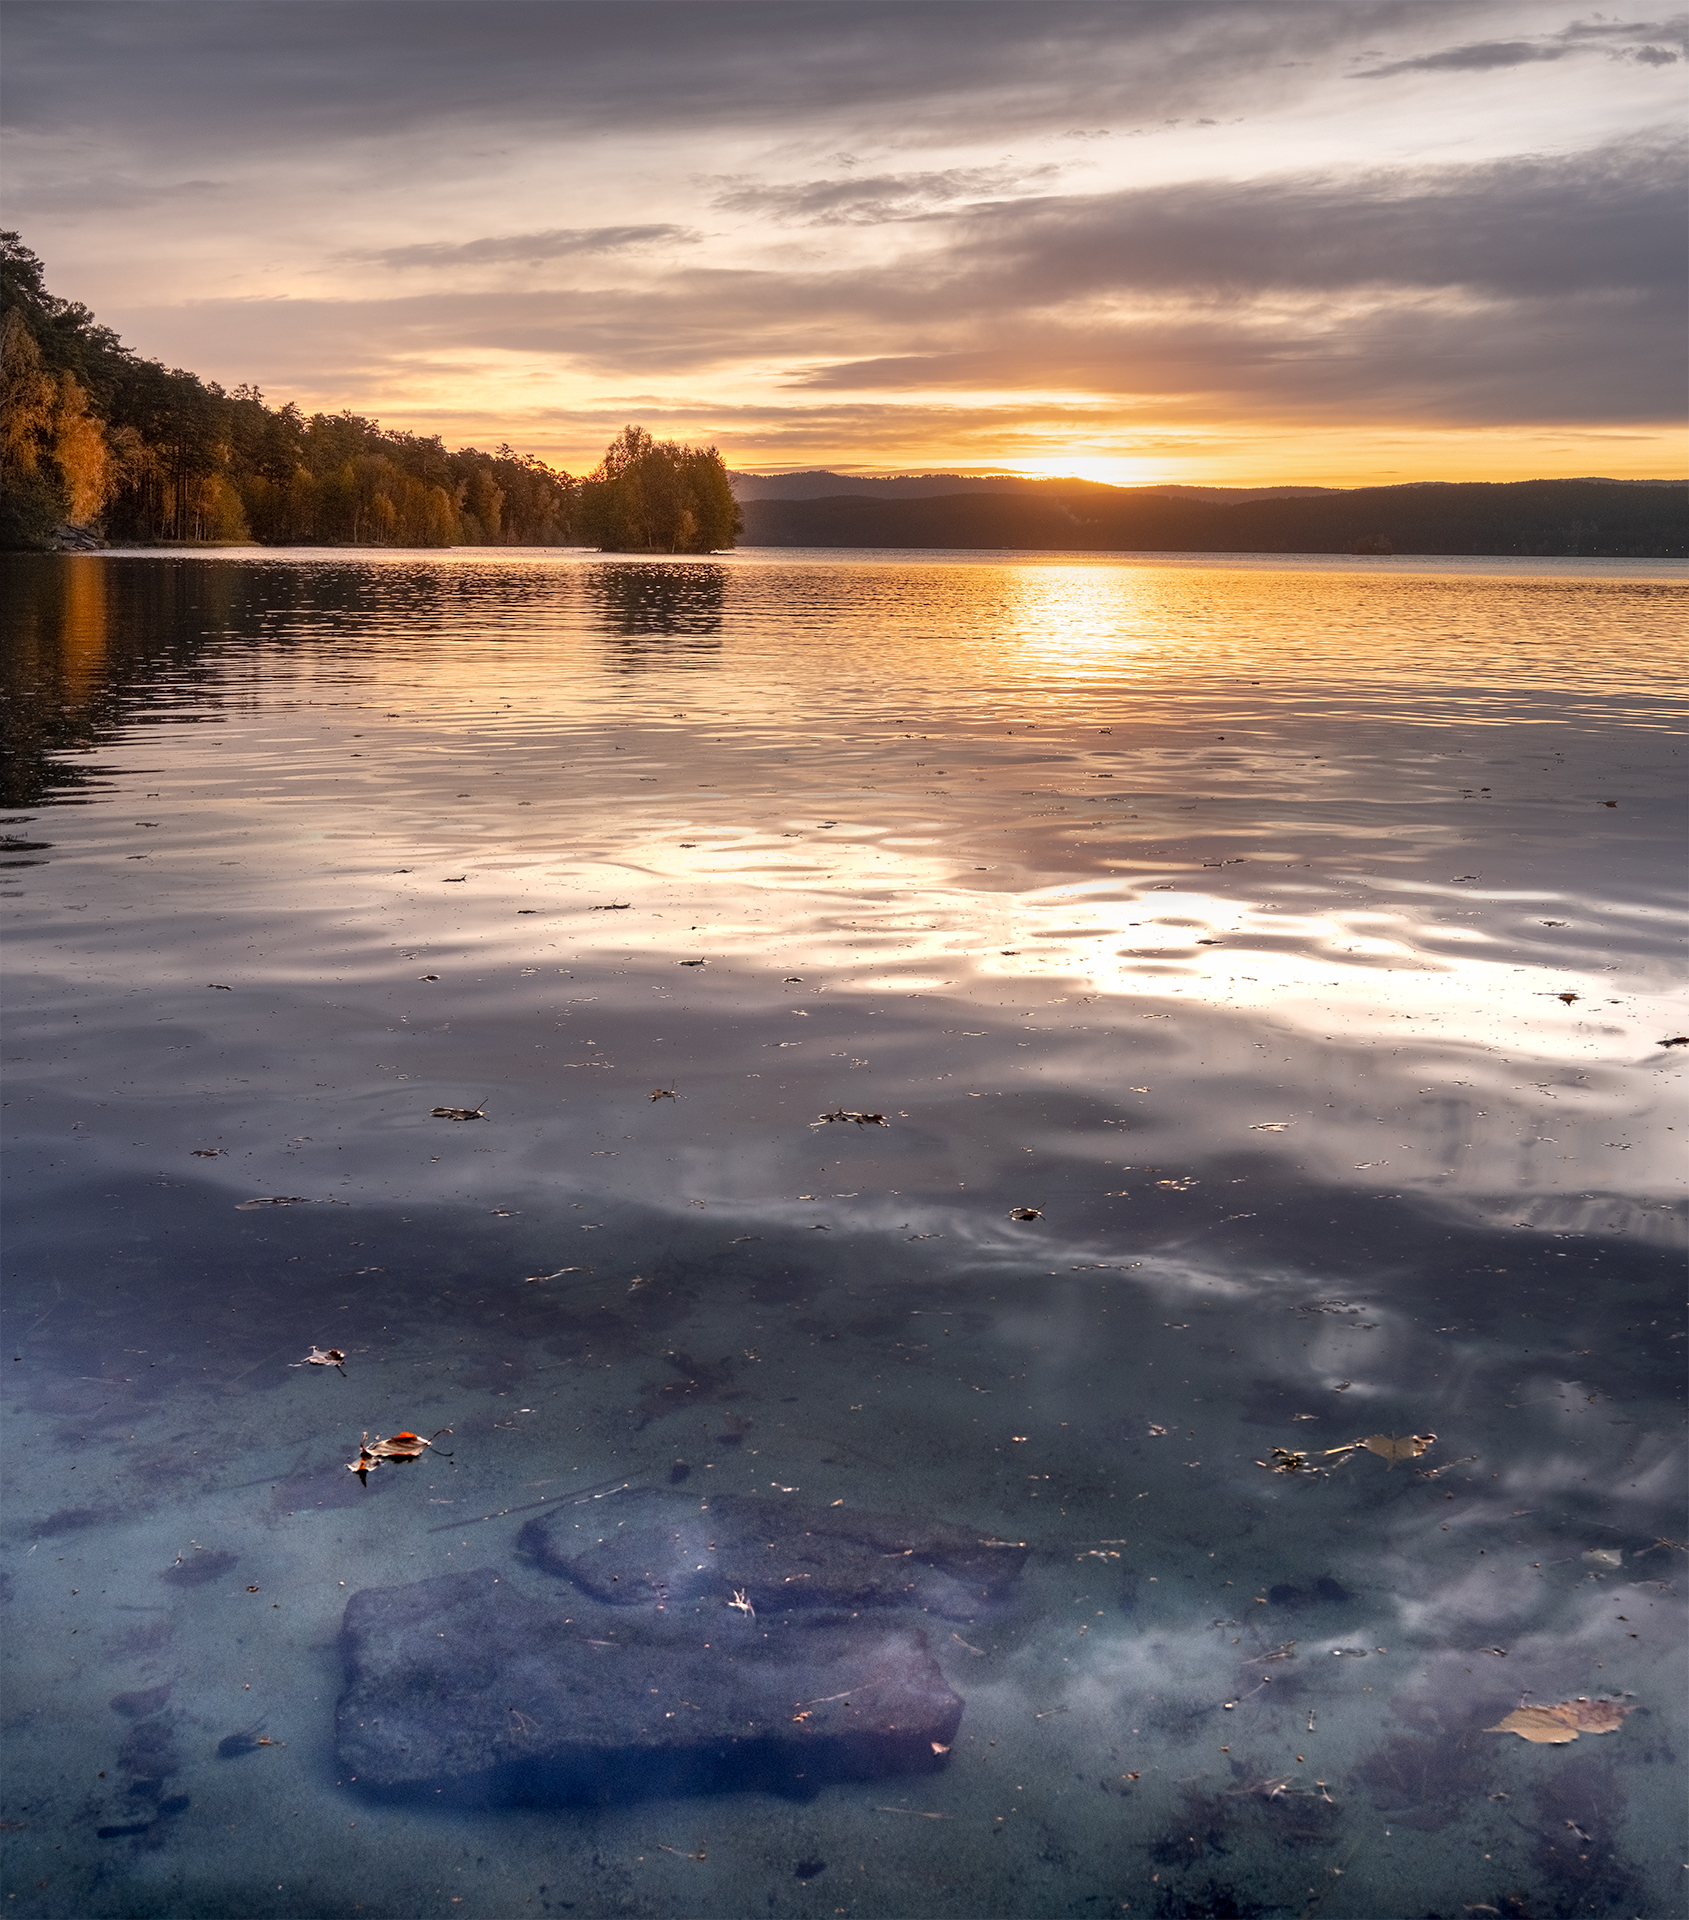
<point x="1296" y="940"/>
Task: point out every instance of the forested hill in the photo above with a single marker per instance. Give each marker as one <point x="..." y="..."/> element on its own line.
<point x="1538" y="518"/>
<point x="92" y="436"/>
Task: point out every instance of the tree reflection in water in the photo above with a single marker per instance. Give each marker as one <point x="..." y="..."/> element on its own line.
<point x="662" y="601"/>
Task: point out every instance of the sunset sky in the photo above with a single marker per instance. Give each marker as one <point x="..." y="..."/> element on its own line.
<point x="1340" y="242"/>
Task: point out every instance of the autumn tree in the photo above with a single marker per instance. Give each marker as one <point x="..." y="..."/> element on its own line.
<point x="92" y="433"/>
<point x="657" y="496"/>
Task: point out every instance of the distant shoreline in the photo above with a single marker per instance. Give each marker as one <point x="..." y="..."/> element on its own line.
<point x="1521" y="519"/>
<point x="1526" y="519"/>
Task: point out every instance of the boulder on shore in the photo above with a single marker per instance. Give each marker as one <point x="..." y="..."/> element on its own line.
<point x="463" y="1682"/>
<point x="71" y="539"/>
<point x="668" y="1551"/>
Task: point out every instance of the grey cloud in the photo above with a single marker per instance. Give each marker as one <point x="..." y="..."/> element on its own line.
<point x="1588" y="360"/>
<point x="1582" y="36"/>
<point x="1591" y="357"/>
<point x="291" y="75"/>
<point x="115" y="193"/>
<point x="1283" y="275"/>
<point x="556" y="243"/>
<point x="1676" y="28"/>
<point x="870" y="199"/>
<point x="1604" y="219"/>
<point x="1481" y="57"/>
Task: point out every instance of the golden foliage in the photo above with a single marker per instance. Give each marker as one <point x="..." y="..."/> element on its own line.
<point x="79" y="447"/>
<point x="27" y="394"/>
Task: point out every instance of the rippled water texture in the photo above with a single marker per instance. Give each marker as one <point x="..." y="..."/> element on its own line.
<point x="1253" y="980"/>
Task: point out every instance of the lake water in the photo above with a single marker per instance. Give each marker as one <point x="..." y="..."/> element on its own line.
<point x="1249" y="979"/>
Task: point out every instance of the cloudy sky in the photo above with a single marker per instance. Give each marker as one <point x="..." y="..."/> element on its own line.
<point x="1332" y="241"/>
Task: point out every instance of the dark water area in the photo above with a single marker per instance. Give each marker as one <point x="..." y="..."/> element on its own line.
<point x="1144" y="1505"/>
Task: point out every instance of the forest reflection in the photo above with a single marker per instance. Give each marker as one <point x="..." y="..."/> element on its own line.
<point x="661" y="602"/>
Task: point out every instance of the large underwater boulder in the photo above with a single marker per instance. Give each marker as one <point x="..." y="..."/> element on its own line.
<point x="464" y="1682"/>
<point x="661" y="1550"/>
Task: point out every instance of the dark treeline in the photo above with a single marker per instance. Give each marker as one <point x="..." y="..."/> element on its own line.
<point x="95" y="438"/>
<point x="1615" y="519"/>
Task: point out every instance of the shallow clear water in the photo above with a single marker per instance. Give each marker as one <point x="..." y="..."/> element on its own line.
<point x="1298" y="941"/>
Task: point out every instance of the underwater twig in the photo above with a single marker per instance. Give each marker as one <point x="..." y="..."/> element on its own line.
<point x="1266" y="1681"/>
<point x="578" y="1498"/>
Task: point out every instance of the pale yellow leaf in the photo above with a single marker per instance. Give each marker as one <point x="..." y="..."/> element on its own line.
<point x="1545" y="1726"/>
<point x="1394" y="1447"/>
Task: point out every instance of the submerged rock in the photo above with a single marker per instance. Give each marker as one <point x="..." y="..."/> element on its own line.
<point x="669" y="1551"/>
<point x="464" y="1681"/>
<point x="138" y="1704"/>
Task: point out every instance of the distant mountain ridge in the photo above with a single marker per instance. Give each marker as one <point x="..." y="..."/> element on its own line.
<point x="1612" y="519"/>
<point x="818" y="484"/>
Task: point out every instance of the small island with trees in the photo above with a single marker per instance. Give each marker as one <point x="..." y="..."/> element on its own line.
<point x="99" y="446"/>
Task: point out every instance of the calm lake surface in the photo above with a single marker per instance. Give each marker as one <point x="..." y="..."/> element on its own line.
<point x="1238" y="990"/>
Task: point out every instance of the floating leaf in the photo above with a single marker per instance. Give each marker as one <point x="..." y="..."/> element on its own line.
<point x="318" y="1358"/>
<point x="1596" y="1716"/>
<point x="844" y="1113"/>
<point x="1392" y="1447"/>
<point x="1542" y="1726"/>
<point x="272" y="1200"/>
<point x="208" y="1153"/>
<point x="457" y="1113"/>
<point x="397" y="1447"/>
<point x="1557" y="1725"/>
